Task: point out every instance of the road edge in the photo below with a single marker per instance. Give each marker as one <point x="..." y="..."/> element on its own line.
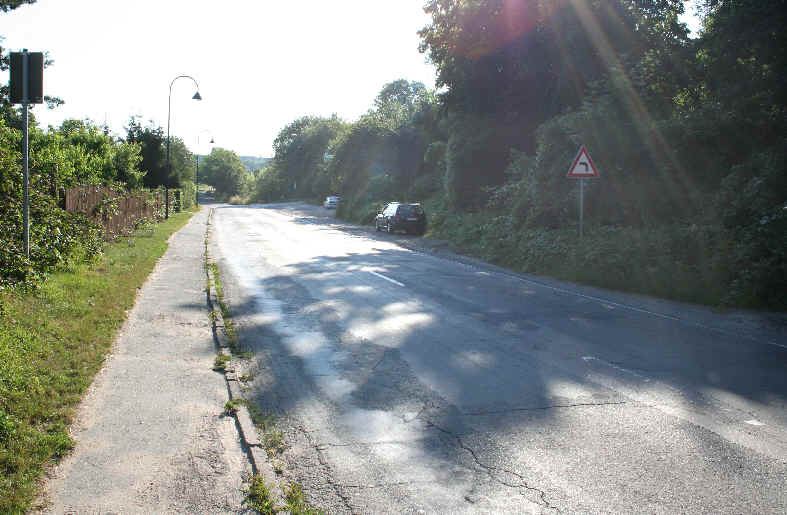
<point x="247" y="430"/>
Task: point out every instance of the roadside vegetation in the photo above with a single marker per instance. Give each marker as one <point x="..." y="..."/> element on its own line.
<point x="61" y="305"/>
<point x="53" y="340"/>
<point x="259" y="497"/>
<point x="688" y="134"/>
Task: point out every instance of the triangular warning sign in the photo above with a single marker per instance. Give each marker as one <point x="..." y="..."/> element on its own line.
<point x="582" y="167"/>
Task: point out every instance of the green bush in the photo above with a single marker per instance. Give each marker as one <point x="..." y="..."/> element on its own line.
<point x="475" y="158"/>
<point x="271" y="185"/>
<point x="188" y="191"/>
<point x="56" y="237"/>
<point x="681" y="261"/>
<point x="358" y="209"/>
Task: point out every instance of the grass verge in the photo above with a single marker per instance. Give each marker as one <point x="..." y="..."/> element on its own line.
<point x="52" y="343"/>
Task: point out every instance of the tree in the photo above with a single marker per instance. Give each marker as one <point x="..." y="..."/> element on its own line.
<point x="78" y="152"/>
<point x="9" y="5"/>
<point x="182" y="162"/>
<point x="223" y="170"/>
<point x="300" y="153"/>
<point x="151" y="141"/>
<point x="399" y="101"/>
<point x="508" y="66"/>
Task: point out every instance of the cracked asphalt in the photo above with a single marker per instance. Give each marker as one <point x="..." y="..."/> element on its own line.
<point x="410" y="379"/>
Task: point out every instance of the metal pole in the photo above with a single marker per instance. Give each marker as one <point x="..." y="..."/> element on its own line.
<point x="26" y="157"/>
<point x="26" y="179"/>
<point x="166" y="179"/>
<point x="196" y="179"/>
<point x="581" y="204"/>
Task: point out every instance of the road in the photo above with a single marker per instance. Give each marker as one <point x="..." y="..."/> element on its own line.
<point x="414" y="381"/>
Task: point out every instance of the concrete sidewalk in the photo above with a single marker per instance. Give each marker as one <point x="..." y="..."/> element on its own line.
<point x="151" y="436"/>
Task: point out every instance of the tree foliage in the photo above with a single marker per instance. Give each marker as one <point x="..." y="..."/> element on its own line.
<point x="223" y="170"/>
<point x="9" y="5"/>
<point x="315" y="157"/>
<point x="77" y="152"/>
<point x="153" y="147"/>
<point x="55" y="235"/>
<point x="689" y="136"/>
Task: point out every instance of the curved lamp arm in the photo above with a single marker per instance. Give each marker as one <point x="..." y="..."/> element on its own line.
<point x="169" y="111"/>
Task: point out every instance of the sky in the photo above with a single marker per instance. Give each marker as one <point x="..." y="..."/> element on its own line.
<point x="260" y="64"/>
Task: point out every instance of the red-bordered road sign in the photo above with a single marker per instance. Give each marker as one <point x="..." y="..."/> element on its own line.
<point x="582" y="167"/>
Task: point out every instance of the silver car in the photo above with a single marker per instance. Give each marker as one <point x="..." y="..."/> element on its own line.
<point x="331" y="202"/>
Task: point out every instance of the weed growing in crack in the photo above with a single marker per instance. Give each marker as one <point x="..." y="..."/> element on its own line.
<point x="272" y="438"/>
<point x="258" y="496"/>
<point x="263" y="421"/>
<point x="296" y="501"/>
<point x="246" y="378"/>
<point x="229" y="326"/>
<point x="273" y="441"/>
<point x="231" y="407"/>
<point x="220" y="364"/>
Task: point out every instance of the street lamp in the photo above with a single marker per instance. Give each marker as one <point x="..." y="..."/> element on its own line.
<point x="196" y="173"/>
<point x="169" y="110"/>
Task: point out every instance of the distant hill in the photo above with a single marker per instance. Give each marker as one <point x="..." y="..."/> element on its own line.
<point x="254" y="162"/>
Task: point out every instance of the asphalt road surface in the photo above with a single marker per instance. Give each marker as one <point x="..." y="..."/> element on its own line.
<point x="415" y="381"/>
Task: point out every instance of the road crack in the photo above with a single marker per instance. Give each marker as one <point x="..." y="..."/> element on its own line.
<point x="494" y="472"/>
<point x="541" y="408"/>
<point x="383" y="485"/>
<point x="337" y="487"/>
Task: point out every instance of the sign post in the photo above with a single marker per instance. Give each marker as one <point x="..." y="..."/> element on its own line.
<point x="26" y="86"/>
<point x="582" y="168"/>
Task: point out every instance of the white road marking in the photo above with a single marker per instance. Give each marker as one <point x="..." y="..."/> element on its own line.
<point x="616" y="367"/>
<point x="381" y="276"/>
<point x="754" y="422"/>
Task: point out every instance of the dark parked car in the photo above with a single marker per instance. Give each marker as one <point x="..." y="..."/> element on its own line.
<point x="401" y="217"/>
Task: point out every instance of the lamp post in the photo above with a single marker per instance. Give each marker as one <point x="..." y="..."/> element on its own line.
<point x="196" y="173"/>
<point x="169" y="110"/>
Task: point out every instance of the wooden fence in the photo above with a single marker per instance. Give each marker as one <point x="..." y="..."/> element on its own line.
<point x="116" y="211"/>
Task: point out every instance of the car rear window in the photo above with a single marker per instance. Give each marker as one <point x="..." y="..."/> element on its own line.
<point x="408" y="209"/>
